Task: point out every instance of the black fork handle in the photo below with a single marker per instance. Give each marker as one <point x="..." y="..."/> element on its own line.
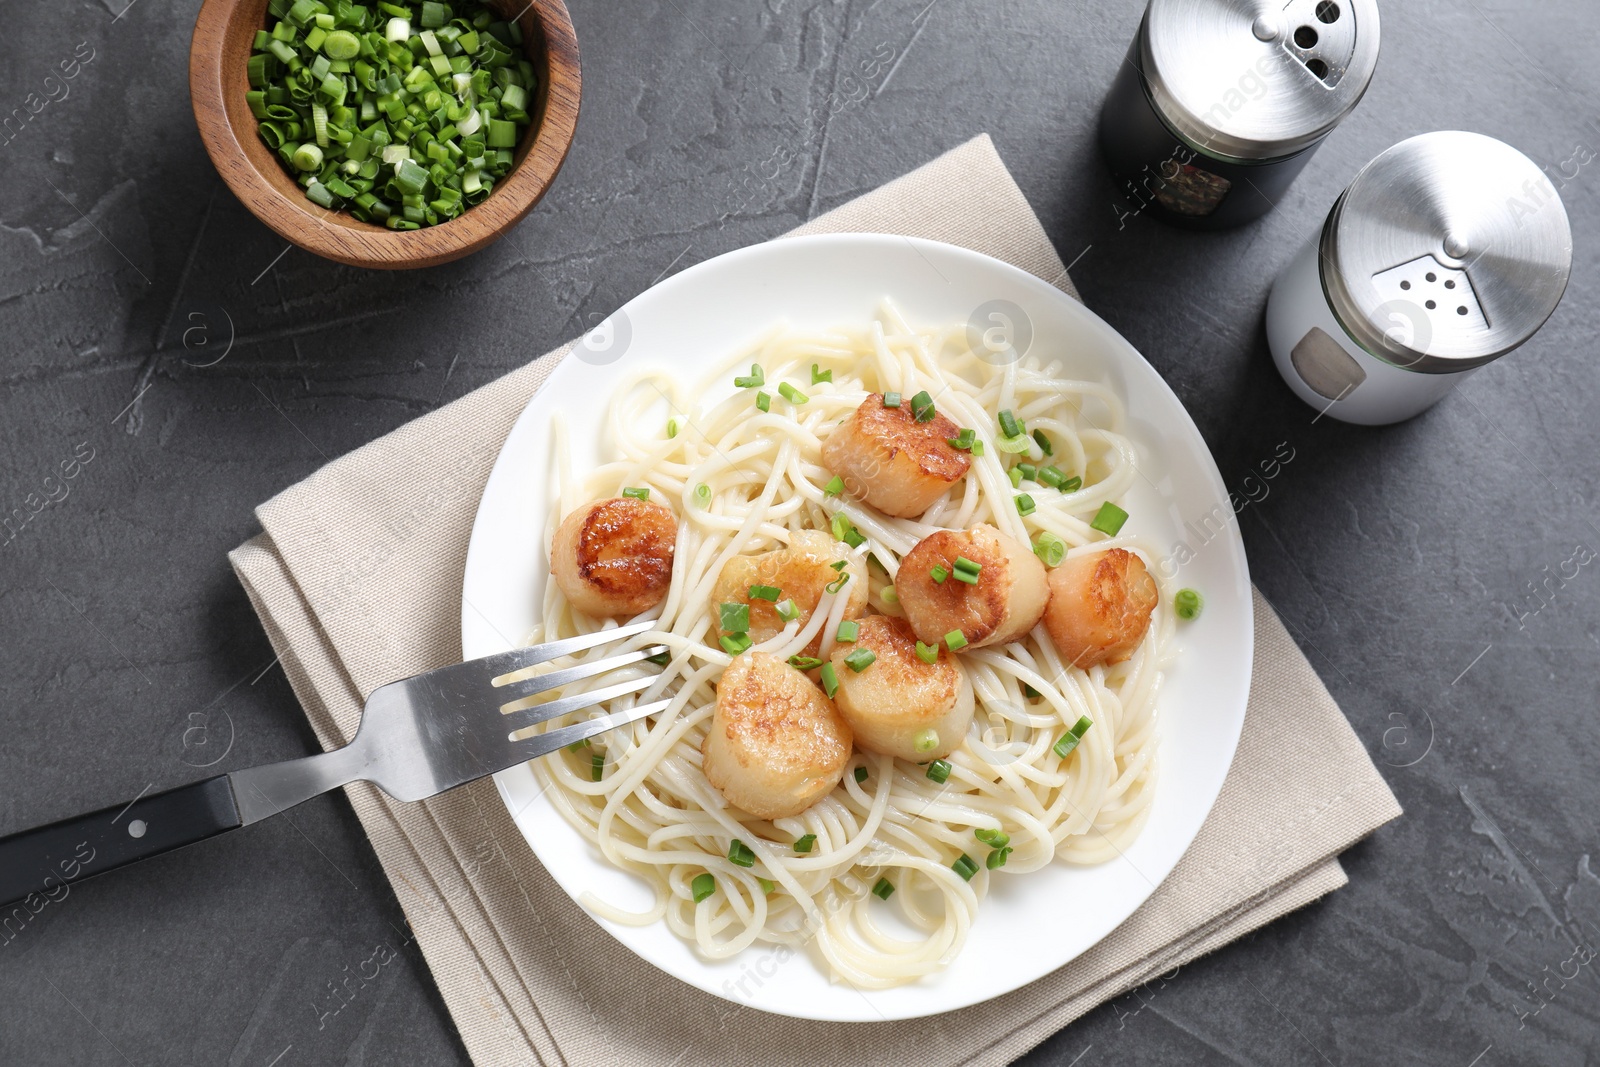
<point x="42" y="862"/>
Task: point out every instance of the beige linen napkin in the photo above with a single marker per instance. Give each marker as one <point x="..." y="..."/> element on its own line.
<point x="357" y="579"/>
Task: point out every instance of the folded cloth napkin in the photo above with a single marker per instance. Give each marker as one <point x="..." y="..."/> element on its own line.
<point x="357" y="579"/>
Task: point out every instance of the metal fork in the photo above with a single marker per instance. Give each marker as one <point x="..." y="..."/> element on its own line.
<point x="418" y="737"/>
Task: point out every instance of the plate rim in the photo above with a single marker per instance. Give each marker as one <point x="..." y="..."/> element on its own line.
<point x="1217" y="489"/>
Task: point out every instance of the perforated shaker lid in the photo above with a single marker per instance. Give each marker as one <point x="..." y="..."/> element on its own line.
<point x="1447" y="251"/>
<point x="1255" y="80"/>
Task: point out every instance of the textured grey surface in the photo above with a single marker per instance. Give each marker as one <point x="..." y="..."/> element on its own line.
<point x="1402" y="559"/>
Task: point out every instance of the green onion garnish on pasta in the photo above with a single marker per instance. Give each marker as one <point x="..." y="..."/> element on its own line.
<point x="891" y="400"/>
<point x="764" y="401"/>
<point x="805" y="843"/>
<point x="966" y="867"/>
<point x="922" y="407"/>
<point x="733" y="644"/>
<point x="765" y="592"/>
<point x="1072" y="484"/>
<point x="1050" y="548"/>
<point x="928" y="654"/>
<point x="938" y="574"/>
<point x="926" y="740"/>
<point x="1051" y="476"/>
<point x="767" y="885"/>
<point x="637" y="493"/>
<point x="660" y="659"/>
<point x="1187" y="604"/>
<point x="1030" y="692"/>
<point x="884" y="889"/>
<point x="993" y="838"/>
<point x="818" y="375"/>
<point x="955" y="640"/>
<point x="889" y="595"/>
<point x="849" y="630"/>
<point x="834" y="487"/>
<point x="963" y="440"/>
<point x="838" y="583"/>
<point x="792" y="395"/>
<point x="860" y="659"/>
<point x="1109" y="519"/>
<point x="702" y="886"/>
<point x="939" y="771"/>
<point x="739" y="854"/>
<point x="804" y="663"/>
<point x="787" y="611"/>
<point x="1015" y="474"/>
<point x="702" y="494"/>
<point x="839" y="564"/>
<point x="1029" y="471"/>
<point x="579" y="745"/>
<point x="1043" y="441"/>
<point x="861" y="775"/>
<point x="735" y="618"/>
<point x="1070" y="739"/>
<point x="1025" y="504"/>
<point x="830" y="680"/>
<point x="997" y="858"/>
<point x="1009" y="426"/>
<point x="757" y="377"/>
<point x="672" y="428"/>
<point x="964" y="566"/>
<point x="597" y="767"/>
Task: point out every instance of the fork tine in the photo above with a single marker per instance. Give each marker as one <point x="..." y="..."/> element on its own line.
<point x="517" y="659"/>
<point x="526" y="717"/>
<point x="528" y="687"/>
<point x="546" y="743"/>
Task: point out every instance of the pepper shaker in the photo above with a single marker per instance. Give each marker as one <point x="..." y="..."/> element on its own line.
<point x="1446" y="252"/>
<point x="1221" y="103"/>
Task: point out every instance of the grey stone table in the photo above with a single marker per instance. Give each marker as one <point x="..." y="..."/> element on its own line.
<point x="1436" y="572"/>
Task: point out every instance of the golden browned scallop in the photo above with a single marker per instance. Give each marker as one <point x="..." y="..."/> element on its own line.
<point x="1002" y="605"/>
<point x="614" y="557"/>
<point x="899" y="705"/>
<point x="1100" y="605"/>
<point x="895" y="463"/>
<point x="801" y="571"/>
<point x="777" y="745"/>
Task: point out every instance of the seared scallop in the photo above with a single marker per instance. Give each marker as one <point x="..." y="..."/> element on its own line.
<point x="1003" y="604"/>
<point x="895" y="463"/>
<point x="614" y="557"/>
<point x="900" y="705"/>
<point x="777" y="744"/>
<point x="1100" y="605"/>
<point x="801" y="572"/>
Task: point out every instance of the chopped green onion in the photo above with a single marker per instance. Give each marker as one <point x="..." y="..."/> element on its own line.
<point x="969" y="577"/>
<point x="922" y="407"/>
<point x="579" y="745"/>
<point x="702" y="494"/>
<point x="792" y="395"/>
<point x="1109" y="519"/>
<point x="889" y="595"/>
<point x="955" y="640"/>
<point x="861" y="775"/>
<point x="1015" y="474"/>
<point x="977" y="448"/>
<point x="1009" y="426"/>
<point x="805" y="843"/>
<point x="733" y="644"/>
<point x="966" y="867"/>
<point x="834" y="487"/>
<point x="672" y="428"/>
<point x="839" y="565"/>
<point x="764" y="401"/>
<point x="838" y="583"/>
<point x="927" y="653"/>
<point x="860" y="659"/>
<point x="597" y="767"/>
<point x="765" y="592"/>
<point x="767" y="885"/>
<point x="884" y="889"/>
<point x="997" y="858"/>
<point x="891" y="400"/>
<point x="1072" y="484"/>
<point x="1043" y="440"/>
<point x="830" y="681"/>
<point x="1030" y="692"/>
<point x="939" y="771"/>
<point x="1051" y="476"/>
<point x="307" y="157"/>
<point x="963" y="440"/>
<point x="926" y="740"/>
<point x="787" y="611"/>
<point x="1029" y="471"/>
<point x="739" y="854"/>
<point x="637" y="493"/>
<point x="849" y="630"/>
<point x="1013" y="445"/>
<point x="1025" y="505"/>
<point x="818" y="376"/>
<point x="963" y="565"/>
<point x="756" y="377"/>
<point x="702" y="886"/>
<point x="804" y="663"/>
<point x="660" y="659"/>
<point x="993" y="838"/>
<point x="938" y="574"/>
<point x="735" y="618"/>
<point x="1187" y="603"/>
<point x="845" y="530"/>
<point x="1070" y="739"/>
<point x="1050" y="548"/>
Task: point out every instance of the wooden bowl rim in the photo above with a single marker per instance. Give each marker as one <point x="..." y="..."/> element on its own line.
<point x="299" y="221"/>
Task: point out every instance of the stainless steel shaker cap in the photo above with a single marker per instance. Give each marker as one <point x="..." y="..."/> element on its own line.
<point x="1255" y="80"/>
<point x="1447" y="251"/>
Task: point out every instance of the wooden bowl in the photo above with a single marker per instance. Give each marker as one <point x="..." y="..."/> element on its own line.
<point x="218" y="81"/>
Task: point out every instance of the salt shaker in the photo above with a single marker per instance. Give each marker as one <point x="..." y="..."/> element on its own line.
<point x="1446" y="252"/>
<point x="1221" y="103"/>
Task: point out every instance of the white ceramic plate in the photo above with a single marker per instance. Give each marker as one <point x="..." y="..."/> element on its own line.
<point x="1028" y="926"/>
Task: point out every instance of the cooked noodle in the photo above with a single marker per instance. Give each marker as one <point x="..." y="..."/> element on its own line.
<point x="654" y="814"/>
